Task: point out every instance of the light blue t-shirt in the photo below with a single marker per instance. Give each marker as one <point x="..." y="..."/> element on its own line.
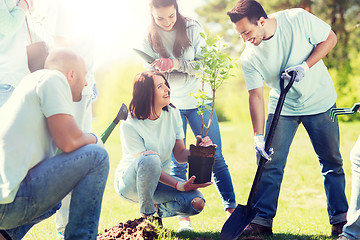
<point x="25" y="139"/>
<point x="13" y="35"/>
<point x="297" y="33"/>
<point x="157" y="135"/>
<point x="183" y="81"/>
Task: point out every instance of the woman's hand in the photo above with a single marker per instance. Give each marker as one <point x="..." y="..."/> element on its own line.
<point x="190" y="185"/>
<point x="204" y="142"/>
<point x="163" y="64"/>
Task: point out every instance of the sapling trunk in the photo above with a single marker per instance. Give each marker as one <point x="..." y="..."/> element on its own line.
<point x="212" y="113"/>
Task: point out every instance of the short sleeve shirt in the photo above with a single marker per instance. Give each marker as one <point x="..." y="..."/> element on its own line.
<point x="24" y="137"/>
<point x="157" y="135"/>
<point x="297" y="34"/>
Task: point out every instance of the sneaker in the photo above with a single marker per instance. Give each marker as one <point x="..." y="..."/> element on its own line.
<point x="256" y="229"/>
<point x="336" y="229"/>
<point x="341" y="237"/>
<point x="185" y="226"/>
<point x="59" y="235"/>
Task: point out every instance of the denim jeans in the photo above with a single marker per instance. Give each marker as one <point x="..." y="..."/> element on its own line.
<point x="140" y="183"/>
<point x="352" y="228"/>
<point x="5" y="92"/>
<point x="324" y="135"/>
<point x="221" y="174"/>
<point x="83" y="171"/>
<point x="83" y="117"/>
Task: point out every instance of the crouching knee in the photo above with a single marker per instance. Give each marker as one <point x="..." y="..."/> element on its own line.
<point x="198" y="203"/>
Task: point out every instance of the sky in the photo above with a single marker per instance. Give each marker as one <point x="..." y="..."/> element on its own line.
<point x="118" y="25"/>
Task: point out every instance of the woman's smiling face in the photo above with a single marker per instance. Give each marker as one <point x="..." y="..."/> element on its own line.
<point x="165" y="17"/>
<point x="162" y="92"/>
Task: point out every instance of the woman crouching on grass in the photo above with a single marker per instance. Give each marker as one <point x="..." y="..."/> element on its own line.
<point x="150" y="134"/>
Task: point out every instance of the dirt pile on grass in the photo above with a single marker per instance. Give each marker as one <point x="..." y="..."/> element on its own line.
<point x="138" y="229"/>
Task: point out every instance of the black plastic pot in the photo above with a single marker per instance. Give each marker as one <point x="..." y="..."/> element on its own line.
<point x="201" y="168"/>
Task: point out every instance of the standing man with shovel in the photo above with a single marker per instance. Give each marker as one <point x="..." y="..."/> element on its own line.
<point x="286" y="41"/>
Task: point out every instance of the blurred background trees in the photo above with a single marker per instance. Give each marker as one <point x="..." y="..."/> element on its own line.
<point x="115" y="78"/>
<point x="342" y="15"/>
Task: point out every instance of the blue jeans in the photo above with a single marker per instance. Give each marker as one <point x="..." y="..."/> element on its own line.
<point x="221" y="174"/>
<point x="324" y="135"/>
<point x="83" y="171"/>
<point x="5" y="92"/>
<point x="140" y="183"/>
<point x="352" y="228"/>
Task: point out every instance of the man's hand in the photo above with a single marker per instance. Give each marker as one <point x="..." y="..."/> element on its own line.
<point x="299" y="69"/>
<point x="98" y="141"/>
<point x="189" y="185"/>
<point x="260" y="148"/>
<point x="163" y="64"/>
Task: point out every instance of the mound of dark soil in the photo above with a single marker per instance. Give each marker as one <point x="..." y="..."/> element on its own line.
<point x="138" y="229"/>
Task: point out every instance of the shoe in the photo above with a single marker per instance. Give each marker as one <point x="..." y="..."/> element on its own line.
<point x="59" y="235"/>
<point x="185" y="226"/>
<point x="256" y="229"/>
<point x="341" y="237"/>
<point x="336" y="229"/>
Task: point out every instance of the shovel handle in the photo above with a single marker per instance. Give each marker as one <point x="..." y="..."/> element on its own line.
<point x="270" y="136"/>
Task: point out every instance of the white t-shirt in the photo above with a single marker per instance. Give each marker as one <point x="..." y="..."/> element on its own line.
<point x="24" y="137"/>
<point x="13" y="34"/>
<point x="297" y="34"/>
<point x="157" y="135"/>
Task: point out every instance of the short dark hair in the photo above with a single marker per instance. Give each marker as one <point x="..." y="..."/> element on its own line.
<point x="143" y="94"/>
<point x="250" y="9"/>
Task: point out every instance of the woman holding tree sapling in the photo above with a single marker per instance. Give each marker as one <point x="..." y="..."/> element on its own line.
<point x="175" y="42"/>
<point x="151" y="133"/>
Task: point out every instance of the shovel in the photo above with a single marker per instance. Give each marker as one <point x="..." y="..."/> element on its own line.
<point x="121" y="115"/>
<point x="243" y="215"/>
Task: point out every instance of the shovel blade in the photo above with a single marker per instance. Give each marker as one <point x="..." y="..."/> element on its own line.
<point x="237" y="222"/>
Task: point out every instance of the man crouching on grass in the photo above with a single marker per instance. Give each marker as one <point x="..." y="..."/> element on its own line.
<point x="37" y="118"/>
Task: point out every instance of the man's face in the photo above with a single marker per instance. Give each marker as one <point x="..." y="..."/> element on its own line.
<point x="250" y="32"/>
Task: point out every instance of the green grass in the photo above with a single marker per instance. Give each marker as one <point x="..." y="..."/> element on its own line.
<point x="302" y="204"/>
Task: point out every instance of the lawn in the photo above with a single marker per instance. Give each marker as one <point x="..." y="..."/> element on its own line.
<point x="302" y="205"/>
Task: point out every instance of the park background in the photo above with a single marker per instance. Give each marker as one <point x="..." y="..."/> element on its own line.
<point x="118" y="26"/>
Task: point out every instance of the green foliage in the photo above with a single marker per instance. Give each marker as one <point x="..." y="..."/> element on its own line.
<point x="114" y="82"/>
<point x="214" y="65"/>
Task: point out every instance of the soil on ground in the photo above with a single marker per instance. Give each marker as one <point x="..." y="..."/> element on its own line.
<point x="138" y="229"/>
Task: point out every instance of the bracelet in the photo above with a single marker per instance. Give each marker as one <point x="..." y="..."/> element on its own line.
<point x="95" y="137"/>
<point x="176" y="185"/>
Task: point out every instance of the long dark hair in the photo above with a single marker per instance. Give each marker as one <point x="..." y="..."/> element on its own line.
<point x="143" y="94"/>
<point x="182" y="41"/>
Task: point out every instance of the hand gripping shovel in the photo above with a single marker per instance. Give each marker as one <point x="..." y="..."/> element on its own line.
<point x="243" y="215"/>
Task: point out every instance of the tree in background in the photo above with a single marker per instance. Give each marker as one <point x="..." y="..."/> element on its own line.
<point x="342" y="15"/>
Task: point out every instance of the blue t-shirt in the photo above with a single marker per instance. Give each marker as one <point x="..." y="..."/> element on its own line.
<point x="157" y="135"/>
<point x="297" y="34"/>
